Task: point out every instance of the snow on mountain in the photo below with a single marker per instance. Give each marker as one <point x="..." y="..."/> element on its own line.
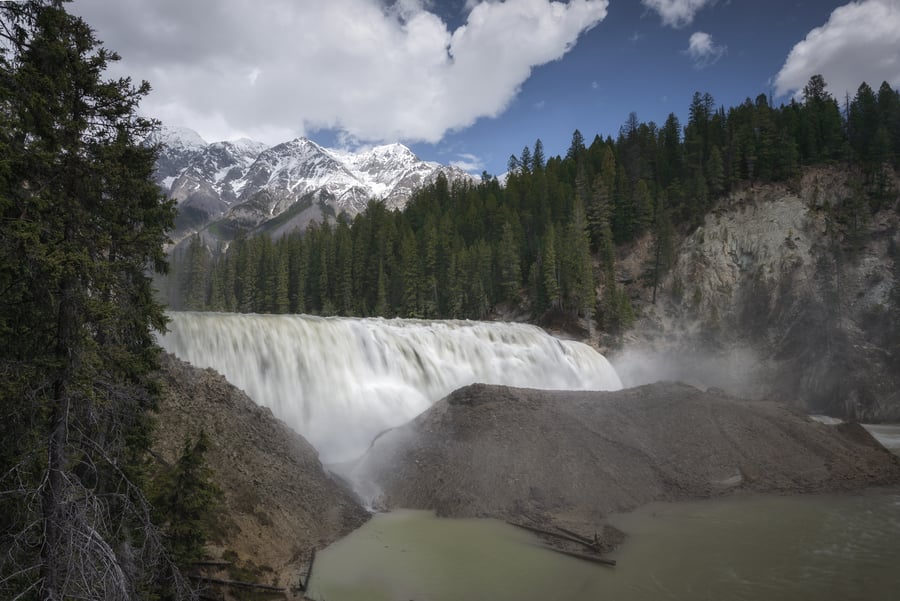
<point x="247" y="183"/>
<point x="177" y="139"/>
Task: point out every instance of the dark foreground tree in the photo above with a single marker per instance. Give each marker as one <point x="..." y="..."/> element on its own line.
<point x="81" y="223"/>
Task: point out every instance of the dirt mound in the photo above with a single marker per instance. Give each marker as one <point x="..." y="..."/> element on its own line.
<point x="278" y="503"/>
<point x="573" y="457"/>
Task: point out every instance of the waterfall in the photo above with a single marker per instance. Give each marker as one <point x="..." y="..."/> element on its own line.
<point x="341" y="381"/>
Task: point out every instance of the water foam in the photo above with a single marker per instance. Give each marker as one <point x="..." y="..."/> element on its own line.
<point x="341" y="381"/>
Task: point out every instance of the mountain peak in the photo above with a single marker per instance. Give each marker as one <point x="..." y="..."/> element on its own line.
<point x="178" y="138"/>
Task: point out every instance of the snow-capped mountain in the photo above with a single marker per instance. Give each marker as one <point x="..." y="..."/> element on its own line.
<point x="246" y="184"/>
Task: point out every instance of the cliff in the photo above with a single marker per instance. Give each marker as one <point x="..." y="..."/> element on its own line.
<point x="785" y="291"/>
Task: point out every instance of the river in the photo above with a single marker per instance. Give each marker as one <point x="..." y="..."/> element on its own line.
<point x="744" y="547"/>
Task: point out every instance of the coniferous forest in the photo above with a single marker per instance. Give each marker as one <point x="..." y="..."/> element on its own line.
<point x="547" y="239"/>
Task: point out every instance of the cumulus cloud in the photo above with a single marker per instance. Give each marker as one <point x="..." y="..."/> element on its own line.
<point x="703" y="51"/>
<point x="380" y="72"/>
<point x="677" y="13"/>
<point x="860" y="42"/>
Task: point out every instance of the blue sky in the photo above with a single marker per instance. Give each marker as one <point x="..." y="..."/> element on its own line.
<point x="632" y="62"/>
<point x="472" y="81"/>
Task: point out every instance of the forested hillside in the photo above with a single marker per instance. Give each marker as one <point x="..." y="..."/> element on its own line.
<point x="546" y="240"/>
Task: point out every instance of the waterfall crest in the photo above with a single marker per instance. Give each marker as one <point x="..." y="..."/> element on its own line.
<point x="341" y="381"/>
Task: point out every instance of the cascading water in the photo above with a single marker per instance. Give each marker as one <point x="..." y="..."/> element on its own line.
<point x="341" y="381"/>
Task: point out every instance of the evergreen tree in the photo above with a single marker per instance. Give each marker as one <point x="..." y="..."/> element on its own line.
<point x="577" y="266"/>
<point x="525" y="161"/>
<point x="576" y="147"/>
<point x="663" y="247"/>
<point x="411" y="277"/>
<point x="194" y="275"/>
<point x="185" y="502"/>
<point x="538" y="159"/>
<point x="821" y="119"/>
<point x="550" y="292"/>
<point x="715" y="172"/>
<point x="508" y="269"/>
<point x="80" y="223"/>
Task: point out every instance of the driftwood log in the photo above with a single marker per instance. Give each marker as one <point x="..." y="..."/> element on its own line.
<point x="584" y="556"/>
<point x="563" y="535"/>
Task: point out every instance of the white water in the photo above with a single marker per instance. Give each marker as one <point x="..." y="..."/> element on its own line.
<point x="341" y="381"/>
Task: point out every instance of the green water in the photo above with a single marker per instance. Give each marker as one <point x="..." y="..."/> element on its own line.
<point x="763" y="547"/>
<point x="801" y="548"/>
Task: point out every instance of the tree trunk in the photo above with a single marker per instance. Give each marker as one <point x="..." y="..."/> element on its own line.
<point x="53" y="553"/>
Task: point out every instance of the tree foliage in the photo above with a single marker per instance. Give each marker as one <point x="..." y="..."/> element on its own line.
<point x="185" y="500"/>
<point x="80" y="224"/>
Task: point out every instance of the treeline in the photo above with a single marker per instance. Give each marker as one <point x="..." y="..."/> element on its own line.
<point x="547" y="239"/>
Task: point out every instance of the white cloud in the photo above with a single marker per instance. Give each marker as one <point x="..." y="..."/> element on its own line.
<point x="276" y="69"/>
<point x="703" y="51"/>
<point x="860" y="42"/>
<point x="677" y="13"/>
<point x="469" y="163"/>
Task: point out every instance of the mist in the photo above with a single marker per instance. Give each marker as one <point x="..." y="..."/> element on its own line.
<point x="737" y="370"/>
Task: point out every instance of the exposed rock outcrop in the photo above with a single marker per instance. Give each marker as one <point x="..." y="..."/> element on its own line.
<point x="774" y="297"/>
<point x="277" y="503"/>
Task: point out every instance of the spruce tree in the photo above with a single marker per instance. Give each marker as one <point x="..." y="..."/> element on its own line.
<point x="81" y="221"/>
<point x="508" y="268"/>
<point x="185" y="501"/>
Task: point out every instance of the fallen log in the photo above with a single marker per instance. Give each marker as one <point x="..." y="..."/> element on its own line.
<point x="240" y="584"/>
<point x="567" y="537"/>
<point x="584" y="556"/>
<point x="585" y="540"/>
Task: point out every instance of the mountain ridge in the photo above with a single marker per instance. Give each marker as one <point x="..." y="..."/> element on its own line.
<point x="244" y="183"/>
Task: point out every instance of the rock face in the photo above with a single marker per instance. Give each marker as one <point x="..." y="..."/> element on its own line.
<point x="573" y="457"/>
<point x="277" y="503"/>
<point x="770" y="298"/>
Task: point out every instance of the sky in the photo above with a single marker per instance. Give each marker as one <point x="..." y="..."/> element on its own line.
<point x="470" y="82"/>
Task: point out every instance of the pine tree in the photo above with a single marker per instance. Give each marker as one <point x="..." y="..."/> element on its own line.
<point x="715" y="172"/>
<point x="538" y="159"/>
<point x="578" y="269"/>
<point x="508" y="269"/>
<point x="525" y="160"/>
<point x="576" y="147"/>
<point x="663" y="246"/>
<point x="411" y="276"/>
<point x="549" y="272"/>
<point x="194" y="275"/>
<point x="80" y="223"/>
<point x="185" y="502"/>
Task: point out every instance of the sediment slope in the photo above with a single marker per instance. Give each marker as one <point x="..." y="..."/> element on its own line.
<point x="573" y="457"/>
<point x="277" y="503"/>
